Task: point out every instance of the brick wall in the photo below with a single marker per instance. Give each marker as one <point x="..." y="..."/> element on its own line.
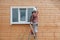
<point x="48" y="17"/>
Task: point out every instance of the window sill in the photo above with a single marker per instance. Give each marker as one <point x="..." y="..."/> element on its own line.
<point x="19" y="23"/>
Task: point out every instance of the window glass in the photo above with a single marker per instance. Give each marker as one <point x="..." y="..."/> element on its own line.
<point x="29" y="13"/>
<point x="22" y="14"/>
<point x="15" y="14"/>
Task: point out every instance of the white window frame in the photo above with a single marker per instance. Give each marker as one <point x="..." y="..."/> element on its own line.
<point x="19" y="14"/>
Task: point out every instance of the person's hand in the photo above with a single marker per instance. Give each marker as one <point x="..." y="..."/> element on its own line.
<point x="30" y="25"/>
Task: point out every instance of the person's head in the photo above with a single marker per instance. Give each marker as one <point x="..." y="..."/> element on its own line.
<point x="34" y="12"/>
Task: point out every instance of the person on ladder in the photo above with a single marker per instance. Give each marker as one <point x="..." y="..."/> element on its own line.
<point x="34" y="23"/>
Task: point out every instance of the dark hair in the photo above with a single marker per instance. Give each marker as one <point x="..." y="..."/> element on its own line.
<point x="33" y="12"/>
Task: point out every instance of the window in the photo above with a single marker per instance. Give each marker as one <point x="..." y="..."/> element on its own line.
<point x="21" y="15"/>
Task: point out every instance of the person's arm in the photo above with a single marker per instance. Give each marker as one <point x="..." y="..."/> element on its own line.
<point x="31" y="23"/>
